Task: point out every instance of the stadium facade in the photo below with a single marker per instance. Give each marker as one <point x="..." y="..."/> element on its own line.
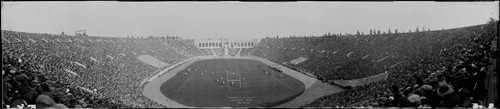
<point x="225" y="43"/>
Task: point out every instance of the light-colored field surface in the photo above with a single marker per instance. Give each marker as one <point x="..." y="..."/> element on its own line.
<point x="313" y="87"/>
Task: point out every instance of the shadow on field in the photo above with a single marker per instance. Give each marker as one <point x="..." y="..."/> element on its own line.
<point x="272" y="104"/>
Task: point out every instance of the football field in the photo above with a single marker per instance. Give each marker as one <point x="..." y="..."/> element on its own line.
<point x="231" y="83"/>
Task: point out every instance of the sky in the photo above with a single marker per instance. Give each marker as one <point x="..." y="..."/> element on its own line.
<point x="239" y="20"/>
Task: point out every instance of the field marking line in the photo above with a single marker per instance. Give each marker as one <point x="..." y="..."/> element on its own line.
<point x="185" y="82"/>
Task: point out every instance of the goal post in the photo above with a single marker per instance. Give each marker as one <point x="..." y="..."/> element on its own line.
<point x="228" y="80"/>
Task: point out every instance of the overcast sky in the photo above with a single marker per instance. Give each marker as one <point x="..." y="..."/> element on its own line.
<point x="239" y="20"/>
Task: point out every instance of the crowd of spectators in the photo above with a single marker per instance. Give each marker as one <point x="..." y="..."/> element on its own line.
<point x="233" y="51"/>
<point x="444" y="68"/>
<point x="82" y="71"/>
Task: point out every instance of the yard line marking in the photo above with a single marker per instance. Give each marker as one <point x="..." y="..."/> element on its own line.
<point x="185" y="82"/>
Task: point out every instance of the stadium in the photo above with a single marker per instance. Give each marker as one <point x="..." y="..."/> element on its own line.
<point x="453" y="67"/>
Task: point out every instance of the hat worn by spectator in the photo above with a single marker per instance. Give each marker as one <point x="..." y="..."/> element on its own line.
<point x="19" y="102"/>
<point x="414" y="99"/>
<point x="426" y="88"/>
<point x="44" y="101"/>
<point x="444" y="89"/>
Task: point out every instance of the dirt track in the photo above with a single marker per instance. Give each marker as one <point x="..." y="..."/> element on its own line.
<point x="313" y="88"/>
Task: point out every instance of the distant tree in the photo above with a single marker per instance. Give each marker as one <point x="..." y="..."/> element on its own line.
<point x="423" y="29"/>
<point x="409" y="31"/>
<point x="428" y="29"/>
<point x="84" y="34"/>
<point x="329" y="34"/>
<point x="416" y="30"/>
<point x="362" y="33"/>
<point x="63" y="34"/>
<point x="371" y="33"/>
<point x="357" y="33"/>
<point x="396" y="31"/>
<point x="378" y="32"/>
<point x="442" y="29"/>
<point x="384" y="32"/>
<point x="389" y="31"/>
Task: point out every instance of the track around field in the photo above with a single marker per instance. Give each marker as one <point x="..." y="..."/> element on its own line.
<point x="313" y="88"/>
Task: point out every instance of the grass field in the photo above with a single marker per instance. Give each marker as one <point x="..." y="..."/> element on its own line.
<point x="198" y="87"/>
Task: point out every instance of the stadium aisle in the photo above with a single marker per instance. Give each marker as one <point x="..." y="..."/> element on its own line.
<point x="492" y="82"/>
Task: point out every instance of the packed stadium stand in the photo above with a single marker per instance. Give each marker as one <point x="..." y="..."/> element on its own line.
<point x="244" y="51"/>
<point x="80" y="71"/>
<point x="207" y="51"/>
<point x="233" y="51"/>
<point x="448" y="67"/>
<point x="218" y="51"/>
